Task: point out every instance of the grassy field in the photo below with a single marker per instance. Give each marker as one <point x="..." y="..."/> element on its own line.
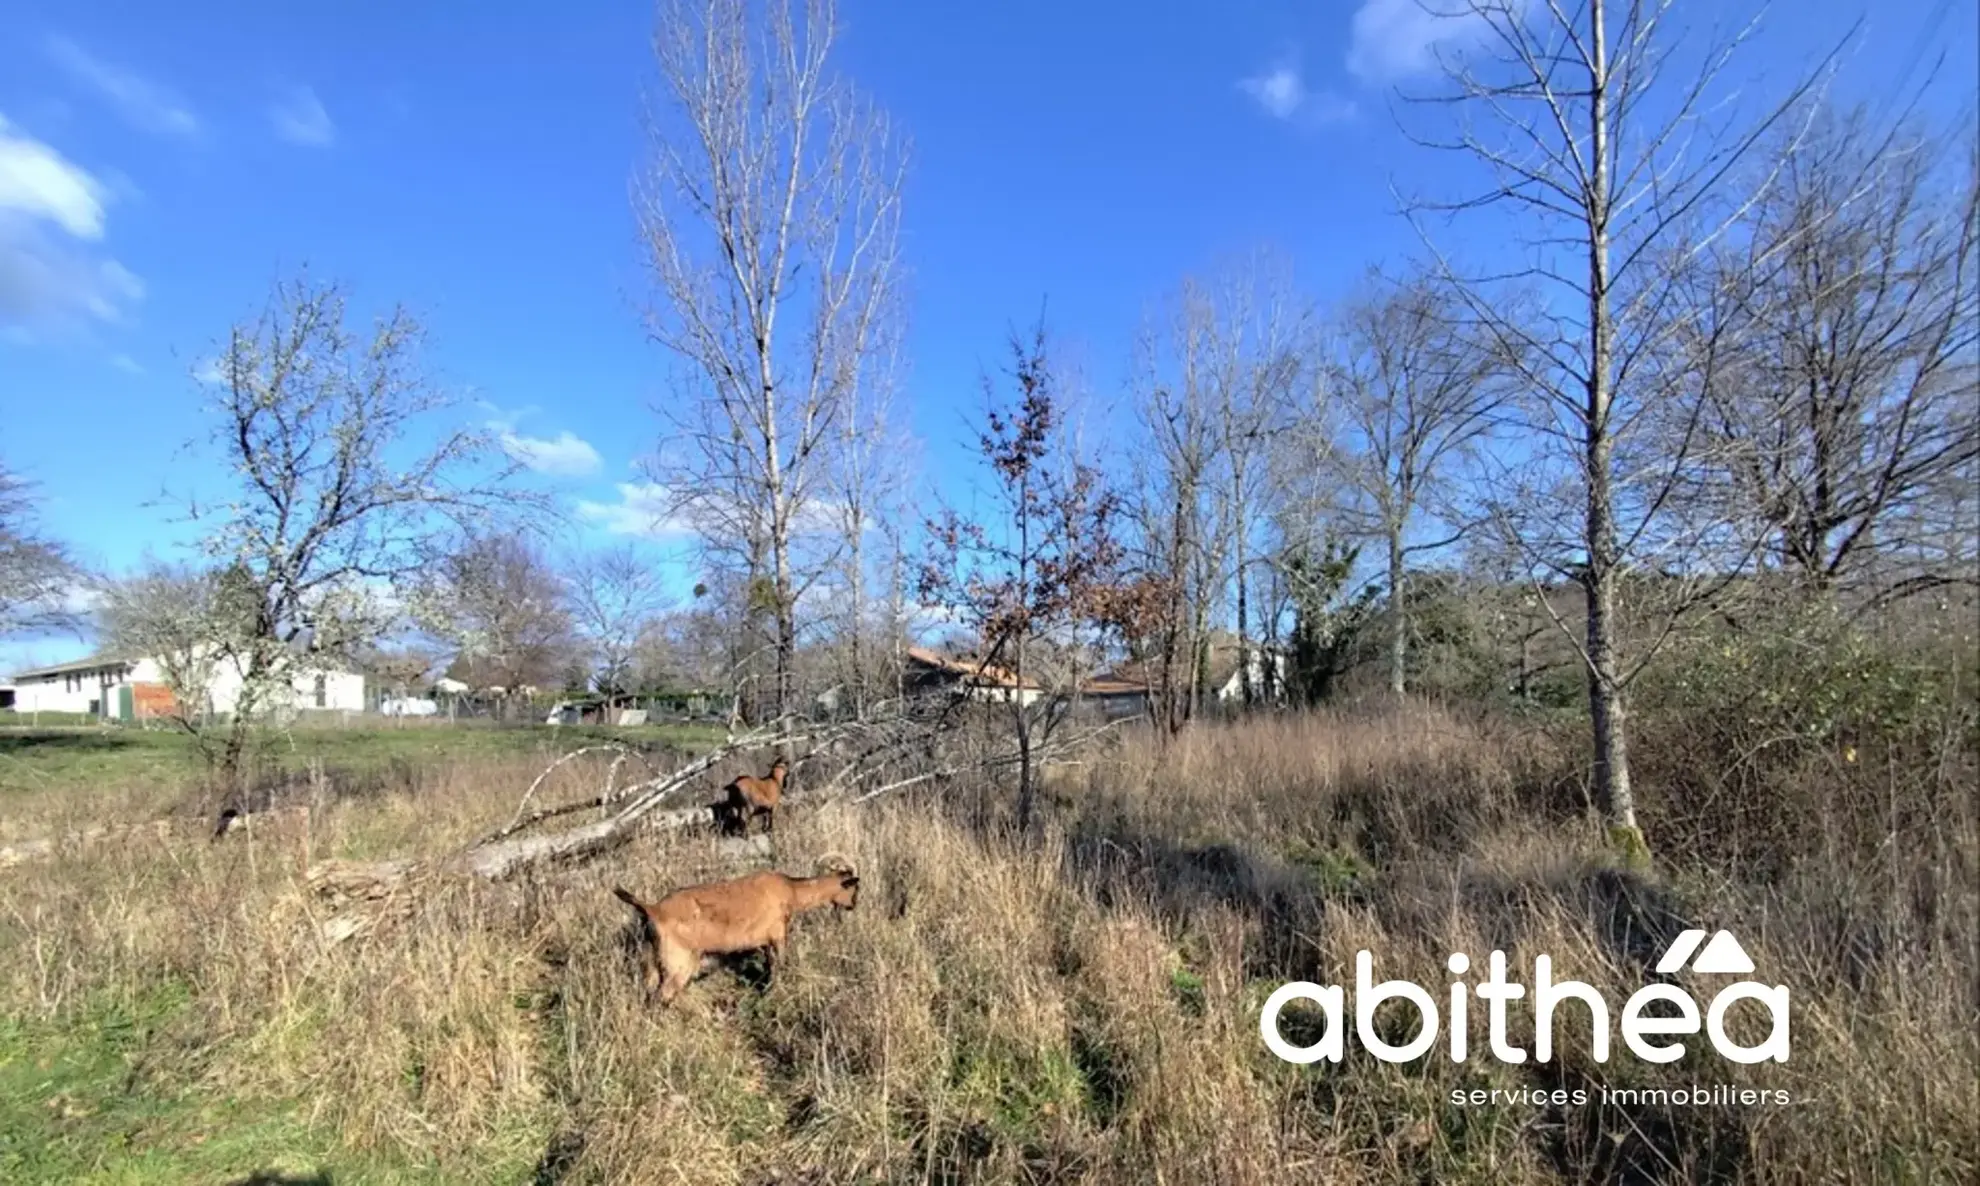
<point x="66" y="758"/>
<point x="1081" y="1007"/>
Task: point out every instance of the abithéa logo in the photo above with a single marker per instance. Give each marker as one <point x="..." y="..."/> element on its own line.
<point x="1653" y="1037"/>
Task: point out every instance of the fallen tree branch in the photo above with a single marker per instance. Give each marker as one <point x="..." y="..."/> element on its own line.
<point x="498" y="854"/>
<point x="518" y="822"/>
<point x="503" y="852"/>
<point x="903" y="784"/>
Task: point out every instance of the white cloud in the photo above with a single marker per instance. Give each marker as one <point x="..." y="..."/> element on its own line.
<point x="49" y="206"/>
<point x="643" y="508"/>
<point x="652" y="509"/>
<point x="207" y="373"/>
<point x="564" y="455"/>
<point x="82" y="600"/>
<point x="46" y="282"/>
<point x="40" y="183"/>
<point x="1281" y="92"/>
<point x="300" y="119"/>
<point x="126" y="364"/>
<point x="505" y="419"/>
<point x="143" y="104"/>
<point x="1390" y="40"/>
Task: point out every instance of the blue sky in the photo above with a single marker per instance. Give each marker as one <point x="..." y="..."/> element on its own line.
<point x="161" y="164"/>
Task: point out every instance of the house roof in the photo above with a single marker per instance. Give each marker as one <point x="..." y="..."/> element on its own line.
<point x="1113" y="684"/>
<point x="92" y="663"/>
<point x="964" y="669"/>
<point x="309" y="662"/>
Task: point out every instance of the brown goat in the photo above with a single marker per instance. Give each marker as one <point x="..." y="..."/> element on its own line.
<point x="688" y="927"/>
<point x="750" y="797"/>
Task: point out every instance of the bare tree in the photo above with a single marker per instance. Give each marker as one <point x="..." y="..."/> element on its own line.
<point x="1418" y="390"/>
<point x="1213" y="384"/>
<point x="1178" y="510"/>
<point x="695" y="643"/>
<point x="38" y="579"/>
<point x="770" y="215"/>
<point x="331" y="504"/>
<point x="1856" y="408"/>
<point x="1036" y="570"/>
<point x="1617" y="164"/>
<point x="616" y="597"/>
<point x="400" y="669"/>
<point x="1261" y="330"/>
<point x="868" y="489"/>
<point x="189" y="621"/>
<point x="500" y="608"/>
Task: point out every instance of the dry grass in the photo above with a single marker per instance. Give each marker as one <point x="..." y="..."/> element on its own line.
<point x="1082" y="1008"/>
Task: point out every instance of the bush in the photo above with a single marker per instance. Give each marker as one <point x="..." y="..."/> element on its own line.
<point x="1804" y="735"/>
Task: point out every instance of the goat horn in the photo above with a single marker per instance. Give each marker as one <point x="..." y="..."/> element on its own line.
<point x="836" y="862"/>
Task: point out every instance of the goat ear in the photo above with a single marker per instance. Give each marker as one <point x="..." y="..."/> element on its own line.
<point x="851" y="881"/>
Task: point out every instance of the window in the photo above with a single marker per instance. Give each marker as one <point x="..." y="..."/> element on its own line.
<point x="321" y="690"/>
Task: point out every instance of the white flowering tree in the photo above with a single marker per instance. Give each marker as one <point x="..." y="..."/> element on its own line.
<point x="332" y="500"/>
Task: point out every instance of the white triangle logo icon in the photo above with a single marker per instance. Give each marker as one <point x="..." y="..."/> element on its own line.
<point x="1723" y="956"/>
<point x="1681" y="949"/>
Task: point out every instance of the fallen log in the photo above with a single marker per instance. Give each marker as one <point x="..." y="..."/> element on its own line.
<point x="503" y="852"/>
<point x="493" y="862"/>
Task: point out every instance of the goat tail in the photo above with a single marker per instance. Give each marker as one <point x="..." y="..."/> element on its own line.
<point x="836" y="862"/>
<point x="625" y="895"/>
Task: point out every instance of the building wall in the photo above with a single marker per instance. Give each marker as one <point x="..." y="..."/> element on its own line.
<point x="51" y="695"/>
<point x="1233" y="688"/>
<point x="341" y="691"/>
<point x="999" y="695"/>
<point x="72" y="691"/>
<point x="1116" y="705"/>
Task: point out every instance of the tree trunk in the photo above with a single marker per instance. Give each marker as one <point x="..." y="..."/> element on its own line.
<point x="1027" y="791"/>
<point x="1245" y="683"/>
<point x="1398" y="617"/>
<point x="1524" y="680"/>
<point x="781" y="513"/>
<point x="240" y="723"/>
<point x="1199" y="657"/>
<point x="1245" y="680"/>
<point x="856" y="665"/>
<point x="1607" y="707"/>
<point x="1274" y="682"/>
<point x="786" y="635"/>
<point x="897" y="612"/>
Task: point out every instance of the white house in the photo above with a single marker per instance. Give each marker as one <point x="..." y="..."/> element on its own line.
<point x="1126" y="690"/>
<point x="132" y="689"/>
<point x="82" y="686"/>
<point x="1227" y="669"/>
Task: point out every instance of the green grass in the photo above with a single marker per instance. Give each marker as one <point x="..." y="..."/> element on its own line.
<point x="112" y="1094"/>
<point x="47" y="758"/>
<point x="47" y="720"/>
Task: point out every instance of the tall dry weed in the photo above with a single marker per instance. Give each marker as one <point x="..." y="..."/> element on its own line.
<point x="1081" y="1006"/>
